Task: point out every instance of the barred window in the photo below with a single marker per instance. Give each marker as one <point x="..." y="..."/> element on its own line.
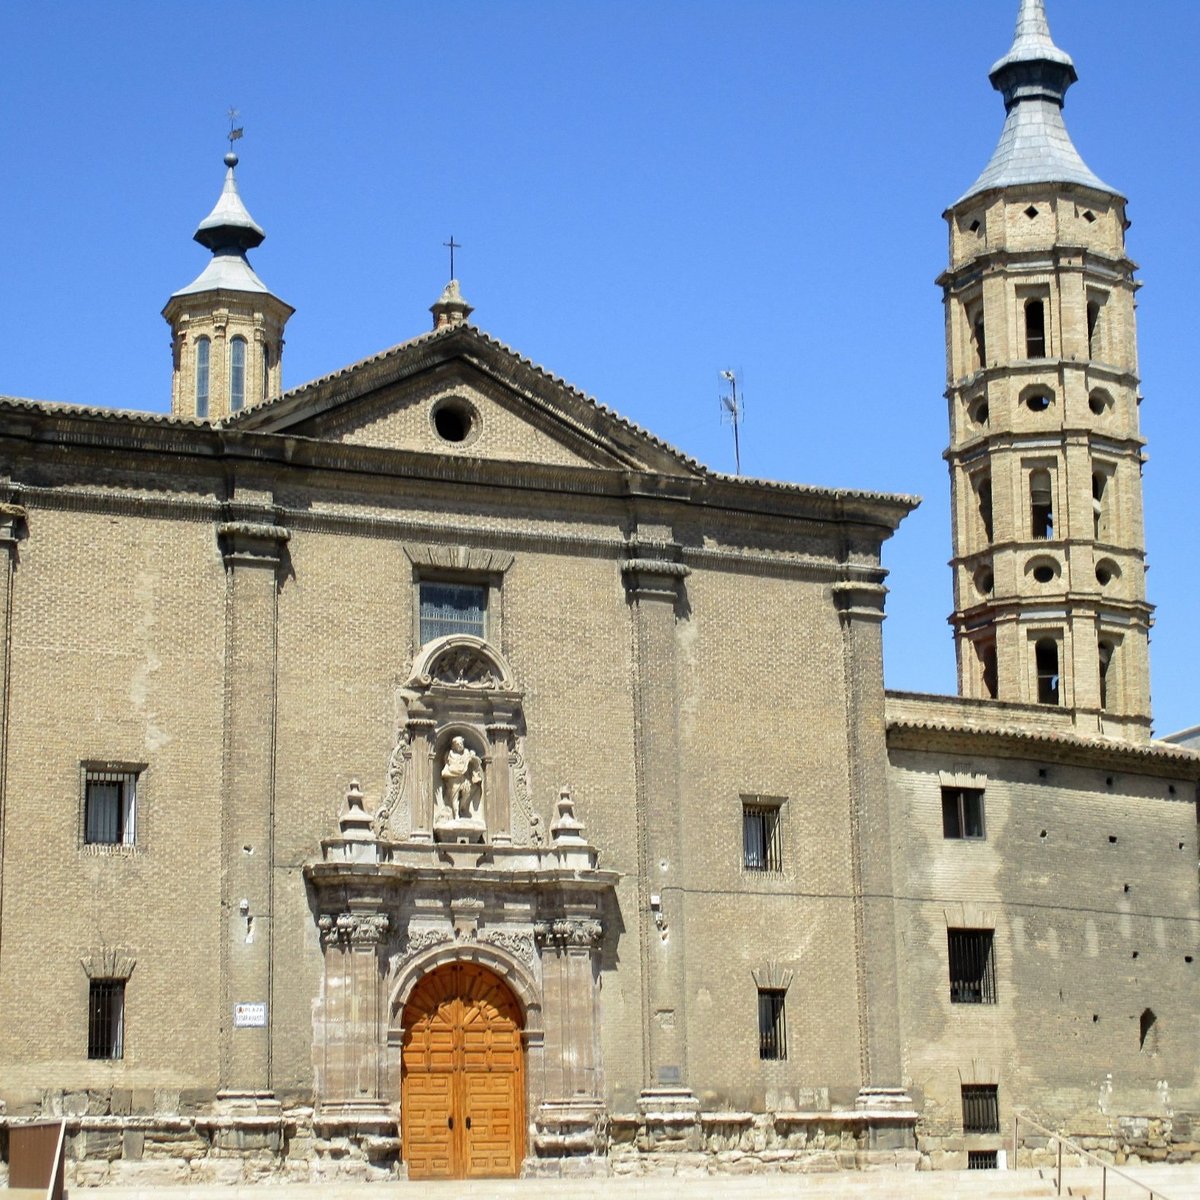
<point x="772" y="1028"/>
<point x="972" y="966"/>
<point x="110" y="807"/>
<point x="106" y="1018"/>
<point x="762" y="846"/>
<point x="453" y="608"/>
<point x="981" y="1108"/>
<point x="982" y="1160"/>
<point x="962" y="812"/>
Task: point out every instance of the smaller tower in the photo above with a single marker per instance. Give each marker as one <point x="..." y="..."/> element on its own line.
<point x="1045" y="452"/>
<point x="226" y="326"/>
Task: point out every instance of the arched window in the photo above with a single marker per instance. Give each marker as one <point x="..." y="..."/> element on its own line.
<point x="1035" y="329"/>
<point x="237" y="373"/>
<point x="1099" y="507"/>
<point x="1046" y="658"/>
<point x="985" y="650"/>
<point x="1106" y="657"/>
<point x="1041" y="504"/>
<point x="202" y="351"/>
<point x="983" y="495"/>
<point x="1093" y="328"/>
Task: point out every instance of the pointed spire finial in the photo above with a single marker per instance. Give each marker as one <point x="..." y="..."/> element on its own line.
<point x="1034" y="146"/>
<point x="1033" y="60"/>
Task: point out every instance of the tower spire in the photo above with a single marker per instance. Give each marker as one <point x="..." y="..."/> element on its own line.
<point x="227" y="325"/>
<point x="1034" y="145"/>
<point x="1045" y="451"/>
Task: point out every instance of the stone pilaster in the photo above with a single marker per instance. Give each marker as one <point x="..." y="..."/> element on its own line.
<point x="354" y="1076"/>
<point x="12" y="520"/>
<point x="860" y="608"/>
<point x="654" y="586"/>
<point x="253" y="553"/>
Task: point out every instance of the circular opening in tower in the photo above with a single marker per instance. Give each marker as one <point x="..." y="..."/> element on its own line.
<point x="1037" y="402"/>
<point x="1099" y="402"/>
<point x="454" y="420"/>
<point x="1043" y="574"/>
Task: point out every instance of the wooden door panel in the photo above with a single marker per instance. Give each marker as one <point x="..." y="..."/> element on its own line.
<point x="430" y="1144"/>
<point x="489" y="1101"/>
<point x="461" y="1059"/>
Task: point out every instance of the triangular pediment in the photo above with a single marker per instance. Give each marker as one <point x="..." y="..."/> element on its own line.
<point x="459" y="391"/>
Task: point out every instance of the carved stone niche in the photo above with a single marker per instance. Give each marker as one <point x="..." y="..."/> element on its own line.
<point x="457" y="771"/>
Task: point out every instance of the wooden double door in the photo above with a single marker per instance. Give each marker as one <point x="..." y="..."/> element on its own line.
<point x="462" y="1101"/>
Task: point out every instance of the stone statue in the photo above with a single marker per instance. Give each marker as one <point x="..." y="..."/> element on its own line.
<point x="462" y="781"/>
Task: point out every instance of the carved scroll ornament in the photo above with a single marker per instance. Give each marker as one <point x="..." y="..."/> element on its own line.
<point x="568" y="932"/>
<point x="355" y="929"/>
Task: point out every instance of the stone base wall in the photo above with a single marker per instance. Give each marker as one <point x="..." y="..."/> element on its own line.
<point x="1113" y="1140"/>
<point x="297" y="1145"/>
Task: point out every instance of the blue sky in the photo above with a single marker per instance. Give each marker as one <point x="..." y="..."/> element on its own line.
<point x="645" y="194"/>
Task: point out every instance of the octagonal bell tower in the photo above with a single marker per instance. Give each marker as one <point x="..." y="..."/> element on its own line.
<point x="226" y="326"/>
<point x="1045" y="453"/>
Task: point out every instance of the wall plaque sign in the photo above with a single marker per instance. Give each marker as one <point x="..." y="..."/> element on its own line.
<point x="250" y="1016"/>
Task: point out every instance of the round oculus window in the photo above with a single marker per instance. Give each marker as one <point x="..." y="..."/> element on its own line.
<point x="455" y="420"/>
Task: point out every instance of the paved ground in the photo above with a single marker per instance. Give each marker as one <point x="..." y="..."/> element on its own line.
<point x="1177" y="1183"/>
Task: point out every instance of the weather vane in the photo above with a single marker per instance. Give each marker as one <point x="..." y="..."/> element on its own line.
<point x="233" y="133"/>
<point x="452" y="245"/>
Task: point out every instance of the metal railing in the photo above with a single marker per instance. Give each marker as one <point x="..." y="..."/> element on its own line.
<point x="1105" y="1168"/>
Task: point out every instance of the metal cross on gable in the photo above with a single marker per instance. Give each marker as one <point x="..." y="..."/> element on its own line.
<point x="452" y="245"/>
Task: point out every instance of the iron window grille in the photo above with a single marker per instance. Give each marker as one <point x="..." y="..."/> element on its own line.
<point x="972" y="966"/>
<point x="110" y="807"/>
<point x="982" y="1160"/>
<point x="106" y="1018"/>
<point x="448" y="608"/>
<point x="981" y="1108"/>
<point x="762" y="844"/>
<point x="962" y="813"/>
<point x="772" y="1027"/>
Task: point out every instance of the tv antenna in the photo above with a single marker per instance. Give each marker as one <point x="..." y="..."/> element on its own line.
<point x="733" y="410"/>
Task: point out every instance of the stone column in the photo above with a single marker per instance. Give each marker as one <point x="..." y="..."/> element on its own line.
<point x="654" y="586"/>
<point x="253" y="553"/>
<point x="860" y="607"/>
<point x="354" y="1073"/>
<point x="568" y="1120"/>
<point x="12" y="517"/>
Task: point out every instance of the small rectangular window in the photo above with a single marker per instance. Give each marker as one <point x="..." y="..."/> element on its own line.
<point x="452" y="608"/>
<point x="106" y="1018"/>
<point x="762" y="848"/>
<point x="772" y="1028"/>
<point x="962" y="812"/>
<point x="110" y="807"/>
<point x="1035" y="329"/>
<point x="982" y="1160"/>
<point x="981" y="1108"/>
<point x="972" y="966"/>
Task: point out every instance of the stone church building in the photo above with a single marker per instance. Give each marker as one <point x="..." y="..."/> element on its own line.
<point x="383" y="775"/>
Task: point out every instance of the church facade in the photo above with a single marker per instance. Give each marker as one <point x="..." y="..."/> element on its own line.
<point x="429" y="773"/>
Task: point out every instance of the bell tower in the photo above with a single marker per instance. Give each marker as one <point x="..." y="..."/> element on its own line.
<point x="1045" y="454"/>
<point x="226" y="326"/>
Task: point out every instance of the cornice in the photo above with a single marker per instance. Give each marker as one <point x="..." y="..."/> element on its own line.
<point x="97" y="434"/>
<point x="1057" y="748"/>
<point x="1103" y="372"/>
<point x="1084" y="259"/>
<point x="981" y="444"/>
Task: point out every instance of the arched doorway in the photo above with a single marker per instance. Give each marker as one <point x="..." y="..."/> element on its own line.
<point x="462" y="1091"/>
